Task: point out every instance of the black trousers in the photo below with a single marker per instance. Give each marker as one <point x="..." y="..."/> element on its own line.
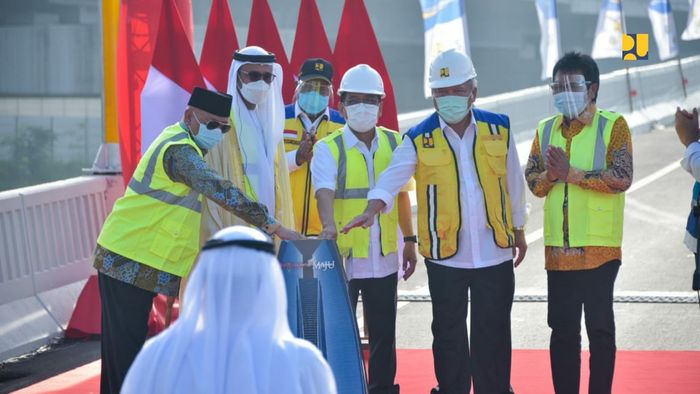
<point x="379" y="302"/>
<point x="125" y="310"/>
<point x="568" y="293"/>
<point x="488" y="361"/>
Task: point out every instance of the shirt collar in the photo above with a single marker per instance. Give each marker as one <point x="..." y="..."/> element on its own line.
<point x="298" y="113"/>
<point x="350" y="139"/>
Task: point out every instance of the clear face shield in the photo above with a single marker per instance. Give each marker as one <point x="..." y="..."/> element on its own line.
<point x="313" y="96"/>
<point x="570" y="94"/>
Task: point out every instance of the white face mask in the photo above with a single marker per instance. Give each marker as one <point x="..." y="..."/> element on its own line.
<point x="255" y="92"/>
<point x="362" y="117"/>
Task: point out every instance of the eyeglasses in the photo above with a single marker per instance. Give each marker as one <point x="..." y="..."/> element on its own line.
<point x="212" y="124"/>
<point x="558" y="87"/>
<point x="255" y="76"/>
<point x="371" y="100"/>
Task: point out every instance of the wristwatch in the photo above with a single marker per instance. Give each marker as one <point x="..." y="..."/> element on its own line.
<point x="410" y="238"/>
<point x="519" y="228"/>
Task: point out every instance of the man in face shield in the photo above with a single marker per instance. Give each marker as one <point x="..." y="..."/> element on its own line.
<point x="471" y="212"/>
<point x="344" y="168"/>
<point x="151" y="238"/>
<point x="581" y="162"/>
<point x="252" y="155"/>
<point x="308" y="119"/>
<point x="232" y="335"/>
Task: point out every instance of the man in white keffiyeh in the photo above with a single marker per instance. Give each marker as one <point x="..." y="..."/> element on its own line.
<point x="232" y="335"/>
<point x="252" y="154"/>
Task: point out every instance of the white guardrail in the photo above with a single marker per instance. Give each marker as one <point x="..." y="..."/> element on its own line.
<point x="47" y="238"/>
<point x="48" y="232"/>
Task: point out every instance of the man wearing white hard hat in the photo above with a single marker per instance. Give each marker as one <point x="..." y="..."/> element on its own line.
<point x="344" y="167"/>
<point x="232" y="335"/>
<point x="252" y="155"/>
<point x="471" y="212"/>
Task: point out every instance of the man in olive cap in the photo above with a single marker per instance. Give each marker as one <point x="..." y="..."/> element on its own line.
<point x="308" y="120"/>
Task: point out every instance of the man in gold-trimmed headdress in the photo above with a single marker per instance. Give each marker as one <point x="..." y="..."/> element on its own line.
<point x="252" y="154"/>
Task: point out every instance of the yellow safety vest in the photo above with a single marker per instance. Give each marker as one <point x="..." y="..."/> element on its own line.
<point x="306" y="218"/>
<point x="437" y="183"/>
<point x="595" y="218"/>
<point x="352" y="186"/>
<point x="156" y="222"/>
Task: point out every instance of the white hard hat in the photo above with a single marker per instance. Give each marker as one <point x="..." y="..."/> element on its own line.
<point x="362" y="79"/>
<point x="451" y="68"/>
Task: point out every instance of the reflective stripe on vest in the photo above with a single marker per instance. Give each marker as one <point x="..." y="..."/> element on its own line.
<point x="341" y="192"/>
<point x="190" y="201"/>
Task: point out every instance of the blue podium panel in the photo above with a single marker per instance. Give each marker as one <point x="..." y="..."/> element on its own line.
<point x="319" y="308"/>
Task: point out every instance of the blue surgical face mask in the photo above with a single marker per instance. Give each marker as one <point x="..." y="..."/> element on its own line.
<point x="312" y="102"/>
<point x="205" y="138"/>
<point x="453" y="109"/>
<point x="570" y="104"/>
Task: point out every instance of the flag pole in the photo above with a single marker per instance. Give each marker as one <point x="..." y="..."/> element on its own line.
<point x="680" y="70"/>
<point x="629" y="88"/>
<point x="627" y="69"/>
<point x="107" y="160"/>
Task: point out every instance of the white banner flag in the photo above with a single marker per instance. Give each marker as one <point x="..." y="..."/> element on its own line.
<point x="664" y="28"/>
<point x="608" y="34"/>
<point x="692" y="30"/>
<point x="550" y="48"/>
<point x="445" y="28"/>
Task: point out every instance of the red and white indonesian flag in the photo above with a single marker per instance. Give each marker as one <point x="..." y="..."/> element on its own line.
<point x="220" y="42"/>
<point x="171" y="78"/>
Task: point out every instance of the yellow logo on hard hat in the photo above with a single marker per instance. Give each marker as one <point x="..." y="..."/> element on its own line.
<point x="635" y="46"/>
<point x="444" y="72"/>
<point x="319" y="66"/>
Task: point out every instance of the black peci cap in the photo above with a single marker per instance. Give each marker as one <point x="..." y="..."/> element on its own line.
<point x="215" y="103"/>
<point x="316" y="68"/>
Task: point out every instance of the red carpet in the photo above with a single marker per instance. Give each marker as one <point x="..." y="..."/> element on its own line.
<point x="655" y="372"/>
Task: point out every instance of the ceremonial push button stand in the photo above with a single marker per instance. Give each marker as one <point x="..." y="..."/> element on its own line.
<point x="318" y="307"/>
